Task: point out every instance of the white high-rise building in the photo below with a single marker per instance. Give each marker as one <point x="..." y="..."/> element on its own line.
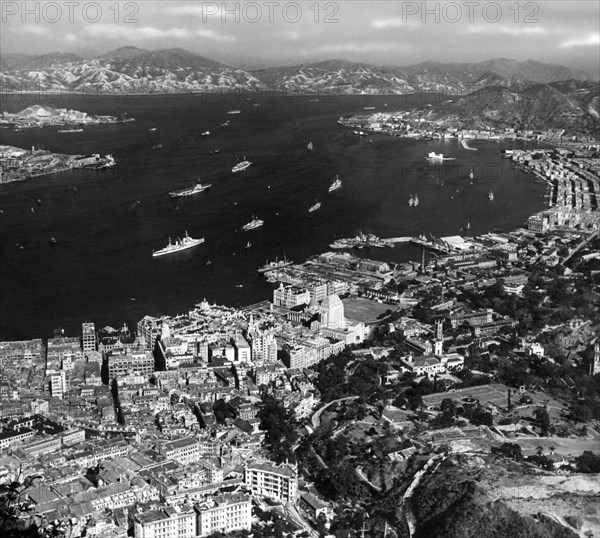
<point x="331" y="310"/>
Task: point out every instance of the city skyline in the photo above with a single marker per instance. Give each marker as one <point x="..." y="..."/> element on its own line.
<point x="263" y="34"/>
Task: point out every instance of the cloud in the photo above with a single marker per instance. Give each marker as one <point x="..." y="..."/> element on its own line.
<point x="373" y="46"/>
<point x="590" y="40"/>
<point x="388" y="23"/>
<point x="34" y="29"/>
<point x="207" y="8"/>
<point x="71" y="37"/>
<point x="499" y="29"/>
<point x="146" y="32"/>
<point x="216" y="36"/>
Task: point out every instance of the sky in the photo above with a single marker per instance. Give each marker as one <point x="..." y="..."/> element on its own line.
<point x="279" y="32"/>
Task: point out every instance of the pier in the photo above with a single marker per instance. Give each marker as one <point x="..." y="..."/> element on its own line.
<point x="398" y="240"/>
<point x="466" y="146"/>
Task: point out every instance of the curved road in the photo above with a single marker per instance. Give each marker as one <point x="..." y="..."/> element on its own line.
<point x="315" y="420"/>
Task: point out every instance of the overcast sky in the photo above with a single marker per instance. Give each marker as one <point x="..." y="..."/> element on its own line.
<point x="263" y="33"/>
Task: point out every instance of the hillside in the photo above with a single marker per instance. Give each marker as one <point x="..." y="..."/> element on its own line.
<point x="570" y="105"/>
<point x="469" y="496"/>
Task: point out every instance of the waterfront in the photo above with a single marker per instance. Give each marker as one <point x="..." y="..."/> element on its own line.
<point x="101" y="267"/>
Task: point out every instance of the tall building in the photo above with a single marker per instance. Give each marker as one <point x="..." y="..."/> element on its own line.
<point x="270" y="480"/>
<point x="595" y="365"/>
<point x="331" y="310"/>
<point x="139" y="361"/>
<point x="223" y="514"/>
<point x="88" y="337"/>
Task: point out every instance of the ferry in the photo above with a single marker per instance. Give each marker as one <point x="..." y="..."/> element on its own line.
<point x="180" y="244"/>
<point x="70" y="131"/>
<point x="189" y="191"/>
<point x="253" y="224"/>
<point x="236" y="111"/>
<point x="241" y="166"/>
<point x="314" y="207"/>
<point x="273" y="266"/>
<point x="337" y="184"/>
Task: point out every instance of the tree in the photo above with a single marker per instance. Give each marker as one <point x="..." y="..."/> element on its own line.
<point x="588" y="462"/>
<point x="543" y="419"/>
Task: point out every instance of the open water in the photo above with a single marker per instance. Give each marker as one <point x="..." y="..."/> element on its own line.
<point x="101" y="268"/>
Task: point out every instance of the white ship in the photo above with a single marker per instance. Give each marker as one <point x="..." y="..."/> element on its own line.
<point x="190" y="190"/>
<point x="337" y="184"/>
<point x="314" y="207"/>
<point x="241" y="166"/>
<point x="253" y="224"/>
<point x="180" y="244"/>
<point x="435" y="156"/>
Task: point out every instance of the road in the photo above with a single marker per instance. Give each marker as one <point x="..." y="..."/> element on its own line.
<point x="315" y="420"/>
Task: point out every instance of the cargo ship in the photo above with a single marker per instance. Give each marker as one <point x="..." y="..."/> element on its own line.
<point x="178" y="245"/>
<point x="241" y="166"/>
<point x="337" y="184"/>
<point x="189" y="191"/>
<point x="254" y="223"/>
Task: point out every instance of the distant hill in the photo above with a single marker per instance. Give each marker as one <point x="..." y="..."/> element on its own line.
<point x="136" y="70"/>
<point x="571" y="105"/>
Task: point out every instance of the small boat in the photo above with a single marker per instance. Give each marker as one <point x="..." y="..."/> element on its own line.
<point x="239" y="285"/>
<point x="435" y="156"/>
<point x="74" y="188"/>
<point x="152" y="129"/>
<point x="411" y="201"/>
<point x="248" y="244"/>
<point x="369" y="108"/>
<point x="208" y="262"/>
<point x="256" y="105"/>
<point x="70" y="131"/>
<point x="309" y="146"/>
<point x="53" y="240"/>
<point x="205" y="133"/>
<point x="416" y="200"/>
<point x="32" y="210"/>
<point x="38" y="202"/>
<point x="226" y="124"/>
<point x="491" y="195"/>
<point x="314" y="207"/>
<point x="236" y="111"/>
<point x="157" y="146"/>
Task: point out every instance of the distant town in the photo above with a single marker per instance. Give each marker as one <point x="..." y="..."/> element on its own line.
<point x="37" y="116"/>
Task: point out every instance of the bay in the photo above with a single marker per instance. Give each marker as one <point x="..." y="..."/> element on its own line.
<point x="101" y="268"/>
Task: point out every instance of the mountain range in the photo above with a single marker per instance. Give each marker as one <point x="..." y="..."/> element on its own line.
<point x="135" y="70"/>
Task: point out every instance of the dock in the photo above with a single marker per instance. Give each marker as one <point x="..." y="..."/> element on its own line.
<point x="398" y="240"/>
<point x="466" y="146"/>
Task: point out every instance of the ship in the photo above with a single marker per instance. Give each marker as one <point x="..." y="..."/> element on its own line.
<point x="253" y="224"/>
<point x="273" y="266"/>
<point x="471" y="176"/>
<point x="248" y="245"/>
<point x="178" y="245"/>
<point x="226" y="124"/>
<point x="411" y="201"/>
<point x="189" y="191"/>
<point x="369" y="108"/>
<point x="491" y="195"/>
<point x="152" y="129"/>
<point x="360" y="241"/>
<point x="337" y="184"/>
<point x="416" y="200"/>
<point x="70" y="131"/>
<point x="314" y="207"/>
<point x="434" y="155"/>
<point x="205" y="133"/>
<point x="236" y="111"/>
<point x="309" y="146"/>
<point x="241" y="166"/>
<point x="157" y="146"/>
